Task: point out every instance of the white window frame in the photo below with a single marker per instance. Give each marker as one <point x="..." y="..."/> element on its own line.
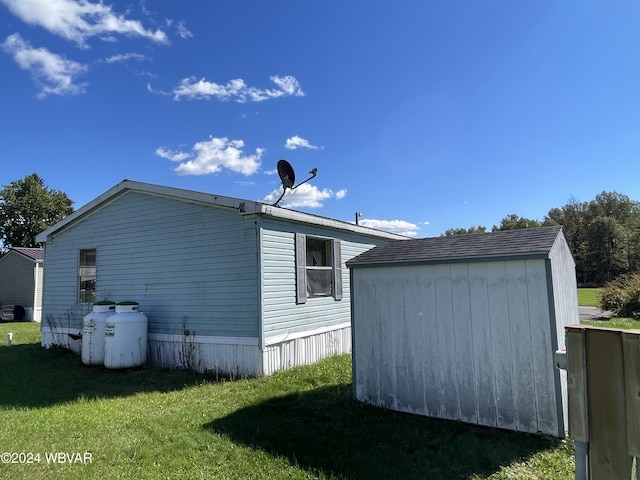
<point x="335" y="255"/>
<point x="85" y="274"/>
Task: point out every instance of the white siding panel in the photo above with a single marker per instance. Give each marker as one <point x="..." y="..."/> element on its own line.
<point x="368" y="350"/>
<point x="483" y="347"/>
<point x="427" y="292"/>
<point x="445" y="361"/>
<point x="565" y="306"/>
<point x="521" y="347"/>
<point x="501" y="342"/>
<point x="463" y="343"/>
<point x="543" y="370"/>
<point x="469" y="342"/>
<point x="306" y="350"/>
<point x="37" y="295"/>
<point x="235" y="357"/>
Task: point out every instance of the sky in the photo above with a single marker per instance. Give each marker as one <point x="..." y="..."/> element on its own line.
<point x="422" y="116"/>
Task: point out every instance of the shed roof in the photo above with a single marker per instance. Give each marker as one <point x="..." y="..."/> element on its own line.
<point x="36" y="254"/>
<point x="240" y="206"/>
<point x="530" y="242"/>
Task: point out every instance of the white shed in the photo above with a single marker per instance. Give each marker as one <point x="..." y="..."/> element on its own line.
<point x="465" y="327"/>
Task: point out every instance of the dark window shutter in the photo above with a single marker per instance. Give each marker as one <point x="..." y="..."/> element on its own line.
<point x="301" y="268"/>
<point x="337" y="270"/>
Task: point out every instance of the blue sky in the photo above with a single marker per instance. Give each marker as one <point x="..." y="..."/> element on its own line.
<point x="423" y="116"/>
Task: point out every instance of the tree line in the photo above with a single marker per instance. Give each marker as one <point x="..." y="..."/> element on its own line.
<point x="603" y="234"/>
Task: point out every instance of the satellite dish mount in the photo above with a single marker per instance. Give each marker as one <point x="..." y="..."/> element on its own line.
<point x="288" y="178"/>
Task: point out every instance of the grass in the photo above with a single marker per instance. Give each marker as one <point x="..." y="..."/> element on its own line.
<point x="588" y="297"/>
<point x="299" y="424"/>
<point x="622" y="323"/>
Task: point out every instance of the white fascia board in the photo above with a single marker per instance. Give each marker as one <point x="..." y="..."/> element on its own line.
<point x="300" y="217"/>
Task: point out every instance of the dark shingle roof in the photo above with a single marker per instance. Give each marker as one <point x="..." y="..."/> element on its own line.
<point x="507" y="243"/>
<point x="34" y="253"/>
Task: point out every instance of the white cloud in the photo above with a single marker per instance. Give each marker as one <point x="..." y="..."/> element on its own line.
<point x="183" y="31"/>
<point x="236" y="90"/>
<point x="125" y="57"/>
<point x="213" y="155"/>
<point x="298" y="142"/>
<point x="305" y="195"/>
<point x="78" y="20"/>
<point x="340" y="194"/>
<point x="172" y="155"/>
<point x="157" y="92"/>
<point x="395" y="226"/>
<point x="53" y="73"/>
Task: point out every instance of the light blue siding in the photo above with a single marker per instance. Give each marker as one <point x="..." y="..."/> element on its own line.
<point x="190" y="266"/>
<point x="280" y="313"/>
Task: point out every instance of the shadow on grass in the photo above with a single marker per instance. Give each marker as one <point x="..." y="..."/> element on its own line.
<point x="325" y="431"/>
<point x="33" y="376"/>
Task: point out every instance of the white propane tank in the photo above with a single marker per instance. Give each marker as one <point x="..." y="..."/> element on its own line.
<point x="125" y="337"/>
<point x="93" y="332"/>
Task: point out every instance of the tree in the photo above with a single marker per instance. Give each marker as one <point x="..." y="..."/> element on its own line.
<point x="514" y="222"/>
<point x="464" y="231"/>
<point x="603" y="234"/>
<point x="27" y="207"/>
<point x="605" y="252"/>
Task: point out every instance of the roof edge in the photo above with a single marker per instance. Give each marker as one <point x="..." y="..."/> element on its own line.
<point x="242" y="206"/>
<point x="448" y="260"/>
<point x="301" y="217"/>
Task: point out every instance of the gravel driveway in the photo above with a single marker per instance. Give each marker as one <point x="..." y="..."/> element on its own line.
<point x="593" y="313"/>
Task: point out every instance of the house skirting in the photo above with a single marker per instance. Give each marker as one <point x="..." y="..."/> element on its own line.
<point x="234" y="356"/>
<point x="303" y="348"/>
<point x="63" y="336"/>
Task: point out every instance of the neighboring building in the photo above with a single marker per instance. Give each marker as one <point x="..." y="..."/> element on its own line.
<point x="228" y="284"/>
<point x="465" y="327"/>
<point x="21" y="281"/>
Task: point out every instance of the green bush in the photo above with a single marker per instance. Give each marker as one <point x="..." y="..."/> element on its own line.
<point x="622" y="296"/>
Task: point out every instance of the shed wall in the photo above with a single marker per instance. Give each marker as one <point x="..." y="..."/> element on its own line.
<point x="460" y="341"/>
<point x="190" y="266"/>
<point x="17" y="282"/>
<point x="565" y="304"/>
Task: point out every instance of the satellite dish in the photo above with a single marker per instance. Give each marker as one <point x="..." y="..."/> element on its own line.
<point x="287" y="175"/>
<point x="288" y="178"/>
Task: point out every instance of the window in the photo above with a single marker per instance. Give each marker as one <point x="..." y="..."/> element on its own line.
<point x="87" y="276"/>
<point x="318" y="268"/>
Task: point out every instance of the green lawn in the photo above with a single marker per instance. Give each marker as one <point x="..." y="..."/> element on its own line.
<point x="588" y="297"/>
<point x="299" y="424"/>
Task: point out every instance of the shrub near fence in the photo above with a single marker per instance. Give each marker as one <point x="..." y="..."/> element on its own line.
<point x="622" y="296"/>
